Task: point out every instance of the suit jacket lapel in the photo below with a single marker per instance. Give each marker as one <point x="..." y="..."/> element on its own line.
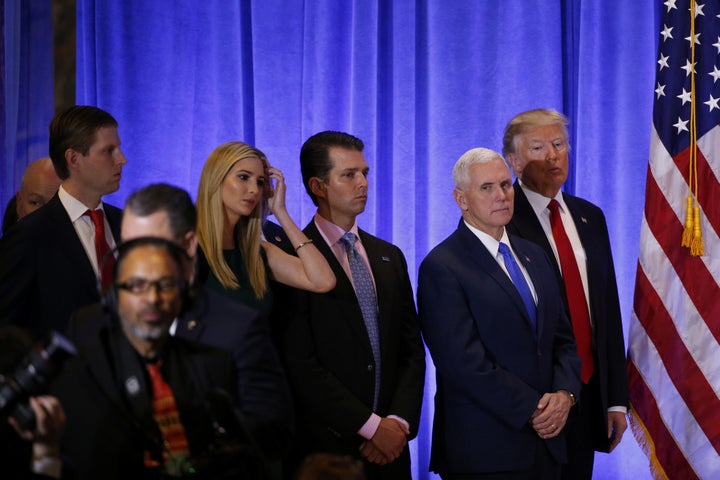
<point x="384" y="283"/>
<point x="68" y="241"/>
<point x="531" y="266"/>
<point x="190" y="325"/>
<point x="343" y="286"/>
<point x="479" y="255"/>
<point x="104" y="373"/>
<point x="586" y="231"/>
<point x="114" y="218"/>
<point x="528" y="225"/>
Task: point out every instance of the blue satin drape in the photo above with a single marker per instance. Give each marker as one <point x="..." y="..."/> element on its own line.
<point x="27" y="88"/>
<point x="420" y="81"/>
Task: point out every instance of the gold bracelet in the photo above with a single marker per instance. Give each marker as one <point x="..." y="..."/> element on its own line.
<point x="303" y="244"/>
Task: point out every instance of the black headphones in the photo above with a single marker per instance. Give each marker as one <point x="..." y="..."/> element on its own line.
<point x="177" y="253"/>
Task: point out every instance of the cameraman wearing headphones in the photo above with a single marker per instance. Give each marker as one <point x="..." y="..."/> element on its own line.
<point x="137" y="399"/>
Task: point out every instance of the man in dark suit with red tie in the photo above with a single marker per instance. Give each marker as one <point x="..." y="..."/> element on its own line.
<point x="573" y="233"/>
<point x="50" y="260"/>
<point x="493" y="320"/>
<point x="354" y="355"/>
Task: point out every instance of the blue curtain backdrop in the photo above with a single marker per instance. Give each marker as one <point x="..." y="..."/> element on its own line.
<point x="27" y="88"/>
<point x="420" y="81"/>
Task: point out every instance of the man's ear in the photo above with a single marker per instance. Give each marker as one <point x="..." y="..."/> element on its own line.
<point x="515" y="164"/>
<point x="317" y="187"/>
<point x="460" y="199"/>
<point x="190" y="243"/>
<point x="72" y="157"/>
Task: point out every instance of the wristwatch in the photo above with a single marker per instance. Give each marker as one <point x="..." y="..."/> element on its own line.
<point x="573" y="400"/>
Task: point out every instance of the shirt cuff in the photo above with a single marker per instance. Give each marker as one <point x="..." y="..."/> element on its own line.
<point x="403" y="421"/>
<point x="368" y="430"/>
<point x="618" y="408"/>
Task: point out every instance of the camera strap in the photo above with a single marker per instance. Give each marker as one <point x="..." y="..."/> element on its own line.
<point x="132" y="380"/>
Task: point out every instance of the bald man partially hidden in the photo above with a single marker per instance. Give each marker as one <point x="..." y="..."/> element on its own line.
<point x="39" y="183"/>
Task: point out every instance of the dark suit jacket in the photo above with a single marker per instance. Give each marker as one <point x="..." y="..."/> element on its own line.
<point x="263" y="391"/>
<point x="213" y="319"/>
<point x="45" y="273"/>
<point x="282" y="308"/>
<point x="275" y="234"/>
<point x="491" y="367"/>
<point x="108" y="429"/>
<point x="10" y="217"/>
<point x="604" y="304"/>
<point x="330" y="362"/>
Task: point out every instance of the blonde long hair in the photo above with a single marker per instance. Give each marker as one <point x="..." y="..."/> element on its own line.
<point x="212" y="218"/>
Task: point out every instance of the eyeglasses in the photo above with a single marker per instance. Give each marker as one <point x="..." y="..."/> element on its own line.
<point x="539" y="151"/>
<point x="141" y="286"/>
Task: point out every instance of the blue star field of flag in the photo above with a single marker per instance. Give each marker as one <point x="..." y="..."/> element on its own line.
<point x="671" y="112"/>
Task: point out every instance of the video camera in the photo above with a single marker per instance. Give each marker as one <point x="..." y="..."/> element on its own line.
<point x="30" y="378"/>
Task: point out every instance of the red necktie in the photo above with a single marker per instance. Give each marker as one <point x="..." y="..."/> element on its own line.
<point x="579" y="314"/>
<point x="166" y="413"/>
<point x="105" y="261"/>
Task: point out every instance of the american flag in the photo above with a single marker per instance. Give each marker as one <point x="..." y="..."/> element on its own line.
<point x="674" y="341"/>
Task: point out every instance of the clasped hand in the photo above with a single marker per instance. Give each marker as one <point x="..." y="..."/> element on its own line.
<point x="387" y="444"/>
<point x="551" y="414"/>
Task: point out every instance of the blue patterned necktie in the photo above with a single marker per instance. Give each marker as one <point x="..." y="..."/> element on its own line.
<point x="520" y="283"/>
<point x="365" y="292"/>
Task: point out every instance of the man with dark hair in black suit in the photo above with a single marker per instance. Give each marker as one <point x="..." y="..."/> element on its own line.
<point x="536" y="145"/>
<point x="49" y="262"/>
<point x="354" y="355"/>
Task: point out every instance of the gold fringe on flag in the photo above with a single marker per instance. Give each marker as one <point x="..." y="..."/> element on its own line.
<point x="689" y="223"/>
<point x="645" y="441"/>
<point x="697" y="249"/>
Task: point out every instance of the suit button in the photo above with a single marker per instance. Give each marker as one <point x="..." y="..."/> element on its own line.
<point x="370" y="367"/>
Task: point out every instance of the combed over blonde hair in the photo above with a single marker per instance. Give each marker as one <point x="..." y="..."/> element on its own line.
<point x="522" y="122"/>
<point x="212" y="218"/>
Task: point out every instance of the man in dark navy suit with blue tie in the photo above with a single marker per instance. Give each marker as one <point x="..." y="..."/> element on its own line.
<point x="493" y="319"/>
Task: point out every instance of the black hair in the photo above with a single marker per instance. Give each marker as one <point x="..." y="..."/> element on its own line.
<point x="315" y="155"/>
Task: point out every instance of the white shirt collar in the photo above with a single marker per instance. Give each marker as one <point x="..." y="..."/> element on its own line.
<point x="74" y="207"/>
<point x="539" y="203"/>
<point x="490" y="243"/>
